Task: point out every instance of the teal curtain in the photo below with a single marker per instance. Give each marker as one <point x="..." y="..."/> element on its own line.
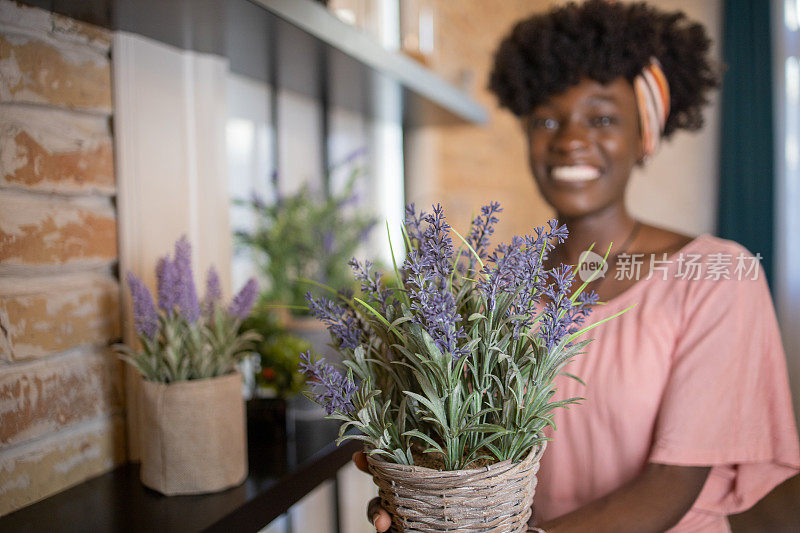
<point x="746" y="206"/>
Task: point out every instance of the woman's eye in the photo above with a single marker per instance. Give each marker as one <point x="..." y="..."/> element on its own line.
<point x="545" y="123"/>
<point x="603" y="121"/>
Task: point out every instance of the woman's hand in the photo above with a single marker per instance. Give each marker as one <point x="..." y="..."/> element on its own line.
<point x="375" y="513"/>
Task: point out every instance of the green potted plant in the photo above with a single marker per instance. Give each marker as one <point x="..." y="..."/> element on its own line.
<point x="448" y="378"/>
<point x="305" y="239"/>
<point x="193" y="421"/>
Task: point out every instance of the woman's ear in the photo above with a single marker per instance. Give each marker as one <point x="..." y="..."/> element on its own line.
<point x="642" y="157"/>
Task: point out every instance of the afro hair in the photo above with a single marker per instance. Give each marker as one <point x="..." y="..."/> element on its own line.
<point x="602" y="40"/>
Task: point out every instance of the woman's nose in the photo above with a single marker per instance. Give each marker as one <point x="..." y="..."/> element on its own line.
<point x="570" y="137"/>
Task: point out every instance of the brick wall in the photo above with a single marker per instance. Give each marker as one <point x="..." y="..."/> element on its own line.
<point x="61" y="400"/>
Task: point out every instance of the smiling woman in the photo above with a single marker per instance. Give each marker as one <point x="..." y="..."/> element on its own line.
<point x="664" y="440"/>
<point x="687" y="415"/>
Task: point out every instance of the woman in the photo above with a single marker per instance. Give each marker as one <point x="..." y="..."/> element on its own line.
<point x="688" y="415"/>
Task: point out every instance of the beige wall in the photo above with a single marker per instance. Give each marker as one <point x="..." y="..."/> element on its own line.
<point x="465" y="166"/>
<point x="678" y="188"/>
<point x="61" y="398"/>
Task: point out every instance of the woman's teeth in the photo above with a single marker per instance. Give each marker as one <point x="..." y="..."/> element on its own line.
<point x="575" y="173"/>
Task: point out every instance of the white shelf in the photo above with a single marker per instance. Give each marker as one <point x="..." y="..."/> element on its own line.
<point x="316" y="21"/>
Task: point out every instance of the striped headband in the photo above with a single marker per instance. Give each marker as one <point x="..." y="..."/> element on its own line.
<point x="652" y="98"/>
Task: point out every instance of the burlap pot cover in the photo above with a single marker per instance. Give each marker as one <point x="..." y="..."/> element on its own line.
<point x="193" y="435"/>
<point x="495" y="498"/>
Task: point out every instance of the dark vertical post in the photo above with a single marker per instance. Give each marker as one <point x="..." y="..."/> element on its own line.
<point x="273" y="72"/>
<point x="324" y="99"/>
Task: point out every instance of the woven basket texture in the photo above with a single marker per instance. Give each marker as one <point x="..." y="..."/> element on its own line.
<point x="496" y="498"/>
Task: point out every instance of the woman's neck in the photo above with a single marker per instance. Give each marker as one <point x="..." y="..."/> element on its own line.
<point x="613" y="224"/>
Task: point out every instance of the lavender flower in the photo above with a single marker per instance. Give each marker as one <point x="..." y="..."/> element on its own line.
<point x="342" y="323"/>
<point x="187" y="300"/>
<point x="354" y="155"/>
<point x="332" y="390"/>
<point x="213" y="292"/>
<point x="426" y="272"/>
<point x="145" y="316"/>
<point x="561" y="317"/>
<point x="371" y="284"/>
<point x="327" y="242"/>
<point x="559" y="233"/>
<point x="437" y="245"/>
<point x="517" y="268"/>
<point x="506" y="272"/>
<point x="168" y="285"/>
<point x="413" y="223"/>
<point x="365" y="231"/>
<point x="243" y="301"/>
<point x="482" y="228"/>
<point x="562" y="281"/>
<point x="434" y="305"/>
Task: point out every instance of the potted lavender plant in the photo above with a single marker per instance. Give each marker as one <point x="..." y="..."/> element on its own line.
<point x="193" y="419"/>
<point x="449" y="377"/>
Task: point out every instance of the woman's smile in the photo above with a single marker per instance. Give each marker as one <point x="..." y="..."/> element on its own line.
<point x="575" y="173"/>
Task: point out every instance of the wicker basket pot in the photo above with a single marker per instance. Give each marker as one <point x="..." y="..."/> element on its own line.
<point x="193" y="435"/>
<point x="495" y="498"/>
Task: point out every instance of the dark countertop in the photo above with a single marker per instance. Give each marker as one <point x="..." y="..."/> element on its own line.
<point x="281" y="472"/>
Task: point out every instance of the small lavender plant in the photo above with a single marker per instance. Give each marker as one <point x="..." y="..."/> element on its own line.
<point x="186" y="339"/>
<point x="460" y="359"/>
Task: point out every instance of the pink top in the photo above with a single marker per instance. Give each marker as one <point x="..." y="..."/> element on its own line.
<point x="695" y="374"/>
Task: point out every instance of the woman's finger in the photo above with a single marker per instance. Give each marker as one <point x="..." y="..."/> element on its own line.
<point x="378" y="516"/>
<point x="360" y="459"/>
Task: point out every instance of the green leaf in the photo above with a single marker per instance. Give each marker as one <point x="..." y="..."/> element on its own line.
<point x="432" y="443"/>
<point x="576" y="378"/>
<point x="478" y="257"/>
<point x="401" y="320"/>
<point x="378" y="316"/>
<point x="435" y="407"/>
<point x="592" y="326"/>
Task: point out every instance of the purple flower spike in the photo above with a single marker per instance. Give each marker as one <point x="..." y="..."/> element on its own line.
<point x="355" y="154"/>
<point x="482" y="228"/>
<point x="168" y="285"/>
<point x="213" y="292"/>
<point x="342" y="323"/>
<point x="243" y="302"/>
<point x="327" y="242"/>
<point x="371" y="284"/>
<point x="413" y="223"/>
<point x="437" y="245"/>
<point x="187" y="300"/>
<point x="434" y="306"/>
<point x="331" y="389"/>
<point x="145" y="316"/>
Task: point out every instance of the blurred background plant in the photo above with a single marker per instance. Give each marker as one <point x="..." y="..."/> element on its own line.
<point x="307" y="236"/>
<point x="276" y="356"/>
